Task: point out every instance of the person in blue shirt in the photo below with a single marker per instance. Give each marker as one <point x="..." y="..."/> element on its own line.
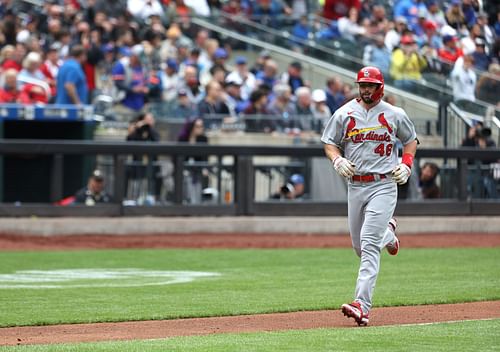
<point x="71" y="81"/>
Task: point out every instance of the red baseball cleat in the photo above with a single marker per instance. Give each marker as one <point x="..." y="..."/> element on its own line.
<point x="393" y="247"/>
<point x="353" y="310"/>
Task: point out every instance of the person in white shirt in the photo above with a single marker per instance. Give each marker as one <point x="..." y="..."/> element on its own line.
<point x="463" y="79"/>
<point x="243" y="75"/>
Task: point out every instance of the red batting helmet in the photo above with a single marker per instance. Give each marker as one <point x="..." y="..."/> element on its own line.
<point x="370" y="74"/>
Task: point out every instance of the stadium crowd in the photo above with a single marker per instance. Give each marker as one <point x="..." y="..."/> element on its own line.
<point x="147" y="55"/>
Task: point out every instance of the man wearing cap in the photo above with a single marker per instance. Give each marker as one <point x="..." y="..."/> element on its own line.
<point x="293" y="189"/>
<point x="94" y="192"/>
<point x="407" y="63"/>
<point x="449" y="53"/>
<point x="481" y="59"/>
<point x="129" y="76"/>
<point x="170" y="81"/>
<point x="243" y="75"/>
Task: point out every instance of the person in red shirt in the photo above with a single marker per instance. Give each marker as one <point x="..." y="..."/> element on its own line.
<point x="449" y="53"/>
<point x="9" y="92"/>
<point x="33" y="94"/>
<point x="334" y="9"/>
<point x="16" y="61"/>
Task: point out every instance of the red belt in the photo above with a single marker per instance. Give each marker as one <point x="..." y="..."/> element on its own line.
<point x="368" y="178"/>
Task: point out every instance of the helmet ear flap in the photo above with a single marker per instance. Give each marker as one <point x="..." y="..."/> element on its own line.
<point x="379" y="93"/>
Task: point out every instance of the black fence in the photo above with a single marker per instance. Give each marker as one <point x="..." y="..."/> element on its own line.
<point x="242" y="167"/>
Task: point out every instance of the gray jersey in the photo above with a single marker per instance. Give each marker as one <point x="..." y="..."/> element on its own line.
<point x="368" y="138"/>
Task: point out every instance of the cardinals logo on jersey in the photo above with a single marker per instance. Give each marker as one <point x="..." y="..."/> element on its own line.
<point x="368" y="133"/>
<point x="350" y="129"/>
<point x="384" y="123"/>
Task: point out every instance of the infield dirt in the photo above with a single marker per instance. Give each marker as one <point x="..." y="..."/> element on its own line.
<point x="246" y="323"/>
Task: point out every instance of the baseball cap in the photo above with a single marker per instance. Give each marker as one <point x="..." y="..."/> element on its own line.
<point x="240" y="60"/>
<point x="296" y="65"/>
<point x="447" y="38"/>
<point x="97" y="175"/>
<point x="125" y="51"/>
<point x="233" y="80"/>
<point x="220" y="53"/>
<point x="401" y="19"/>
<point x="265" y="54"/>
<point x="182" y="92"/>
<point x="297" y="179"/>
<point x="407" y="39"/>
<point x="318" y="95"/>
<point x="172" y="63"/>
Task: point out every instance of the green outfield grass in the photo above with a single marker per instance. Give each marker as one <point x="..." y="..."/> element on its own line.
<point x="457" y="336"/>
<point x="250" y="281"/>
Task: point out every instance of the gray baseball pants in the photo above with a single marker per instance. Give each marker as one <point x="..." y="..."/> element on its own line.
<point x="371" y="206"/>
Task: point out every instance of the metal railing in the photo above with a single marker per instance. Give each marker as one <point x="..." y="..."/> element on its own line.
<point x="242" y="166"/>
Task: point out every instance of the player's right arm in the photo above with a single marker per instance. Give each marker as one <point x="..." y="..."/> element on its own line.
<point x="344" y="167"/>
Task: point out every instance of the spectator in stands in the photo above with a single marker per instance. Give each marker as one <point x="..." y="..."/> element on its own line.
<point x="487" y="32"/>
<point x="334" y="93"/>
<point x="232" y="96"/>
<point x="243" y="75"/>
<point x="428" y="188"/>
<point x="449" y="53"/>
<point x="191" y="84"/>
<point x="95" y="192"/>
<point x="196" y="178"/>
<point x="282" y="105"/>
<point x="50" y="67"/>
<point x="377" y="54"/>
<point x="184" y="108"/>
<point x="376" y="18"/>
<point x="130" y="77"/>
<point x="293" y="189"/>
<point x="407" y="64"/>
<point x="269" y="75"/>
<point x="393" y="36"/>
<point x="142" y="129"/>
<point x="488" y="85"/>
<point x="335" y="9"/>
<point x="454" y="15"/>
<point x="468" y="43"/>
<point x="435" y="14"/>
<point x="15" y="61"/>
<point x="303" y="106"/>
<point x="9" y="93"/>
<point x="293" y="76"/>
<point x="463" y="79"/>
<point x="33" y="94"/>
<point x="269" y="12"/>
<point x="170" y="82"/>
<point x="6" y="54"/>
<point x="479" y="180"/>
<point x="142" y="9"/>
<point x="31" y="72"/>
<point x="300" y="33"/>
<point x="481" y="59"/>
<point x="257" y="117"/>
<point x="71" y="82"/>
<point x="349" y="26"/>
<point x="260" y="62"/>
<point x="409" y="9"/>
<point x="320" y="111"/>
<point x="212" y="108"/>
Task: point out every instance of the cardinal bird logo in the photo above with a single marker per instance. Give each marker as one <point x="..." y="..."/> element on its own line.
<point x="351" y="125"/>
<point x="384" y="123"/>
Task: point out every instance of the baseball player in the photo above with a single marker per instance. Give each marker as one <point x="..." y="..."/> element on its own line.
<point x="360" y="140"/>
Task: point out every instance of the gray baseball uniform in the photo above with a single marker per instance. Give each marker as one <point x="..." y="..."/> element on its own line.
<point x="368" y="139"/>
